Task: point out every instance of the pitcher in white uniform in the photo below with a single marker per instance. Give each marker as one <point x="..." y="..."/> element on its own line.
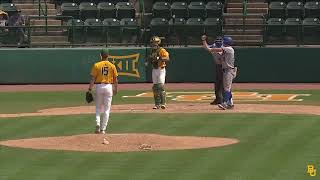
<point x="104" y="74"/>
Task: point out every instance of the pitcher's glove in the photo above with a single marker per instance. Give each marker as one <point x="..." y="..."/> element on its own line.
<point x="89" y="97"/>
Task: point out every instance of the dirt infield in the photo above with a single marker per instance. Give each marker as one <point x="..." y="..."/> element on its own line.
<point x="146" y="142"/>
<point x="120" y="142"/>
<point x="176" y="108"/>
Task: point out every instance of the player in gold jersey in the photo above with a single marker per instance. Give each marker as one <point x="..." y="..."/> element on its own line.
<point x="158" y="58"/>
<point x="104" y="74"/>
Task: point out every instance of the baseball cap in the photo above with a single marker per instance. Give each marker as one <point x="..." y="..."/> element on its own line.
<point x="104" y="52"/>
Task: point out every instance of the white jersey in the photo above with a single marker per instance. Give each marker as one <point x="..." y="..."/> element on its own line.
<point x="227" y="57"/>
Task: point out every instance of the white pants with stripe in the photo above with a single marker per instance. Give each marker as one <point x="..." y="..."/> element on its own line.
<point x="103" y="104"/>
<point x="159" y="76"/>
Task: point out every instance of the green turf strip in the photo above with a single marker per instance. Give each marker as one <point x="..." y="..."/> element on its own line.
<point x="271" y="147"/>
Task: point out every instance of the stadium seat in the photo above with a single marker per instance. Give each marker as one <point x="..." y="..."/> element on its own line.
<point x="107" y="10"/>
<point x="75" y="30"/>
<point x="197" y="9"/>
<point x="9" y="8"/>
<point x="177" y="29"/>
<point x="88" y="10"/>
<point x="161" y="10"/>
<point x="179" y="10"/>
<point x="295" y="9"/>
<point x="214" y="9"/>
<point x="159" y="27"/>
<point x="312" y="9"/>
<point x="311" y="29"/>
<point x="277" y="9"/>
<point x="130" y="30"/>
<point x="5" y="1"/>
<point x="93" y="30"/>
<point x="70" y="9"/>
<point x="186" y="1"/>
<point x="275" y="27"/>
<point x="112" y="30"/>
<point x="213" y="27"/>
<point x="293" y="27"/>
<point x="194" y="30"/>
<point x="125" y="10"/>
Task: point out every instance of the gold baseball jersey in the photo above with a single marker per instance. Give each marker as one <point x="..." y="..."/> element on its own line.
<point x="104" y="72"/>
<point x="163" y="54"/>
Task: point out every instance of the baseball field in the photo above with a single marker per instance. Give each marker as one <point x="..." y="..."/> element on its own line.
<point x="271" y="134"/>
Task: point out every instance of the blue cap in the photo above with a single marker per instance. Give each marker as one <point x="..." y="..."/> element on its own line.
<point x="227" y="40"/>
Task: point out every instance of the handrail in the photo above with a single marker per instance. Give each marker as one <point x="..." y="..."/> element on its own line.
<point x="44" y="12"/>
<point x="244" y="7"/>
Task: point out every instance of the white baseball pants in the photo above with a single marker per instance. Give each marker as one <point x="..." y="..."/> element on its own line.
<point x="103" y="104"/>
<point x="159" y="76"/>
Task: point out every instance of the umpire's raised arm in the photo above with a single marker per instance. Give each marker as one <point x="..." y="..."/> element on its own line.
<point x="206" y="46"/>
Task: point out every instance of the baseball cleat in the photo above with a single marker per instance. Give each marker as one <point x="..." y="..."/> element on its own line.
<point x="156" y="107"/>
<point x="222" y="106"/>
<point x="214" y="102"/>
<point x="102" y="132"/>
<point x="163" y="106"/>
<point x="97" y="130"/>
<point x="230" y="106"/>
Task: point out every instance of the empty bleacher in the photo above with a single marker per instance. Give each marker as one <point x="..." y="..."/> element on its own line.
<point x="178" y="22"/>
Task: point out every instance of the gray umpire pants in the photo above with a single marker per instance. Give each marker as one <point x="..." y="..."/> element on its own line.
<point x="218" y="85"/>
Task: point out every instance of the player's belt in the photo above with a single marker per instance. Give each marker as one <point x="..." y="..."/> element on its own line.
<point x="225" y="69"/>
<point x="103" y="83"/>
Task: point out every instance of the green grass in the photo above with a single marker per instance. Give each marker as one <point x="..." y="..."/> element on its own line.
<point x="12" y="102"/>
<point x="272" y="147"/>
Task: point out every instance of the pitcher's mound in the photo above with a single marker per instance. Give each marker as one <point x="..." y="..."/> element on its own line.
<point x="120" y="142"/>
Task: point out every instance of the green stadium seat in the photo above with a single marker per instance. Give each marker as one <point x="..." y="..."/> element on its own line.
<point x="125" y="10"/>
<point x="75" y="30"/>
<point x="214" y="9"/>
<point x="197" y="9"/>
<point x="311" y="30"/>
<point x="293" y="28"/>
<point x="186" y="1"/>
<point x="177" y="29"/>
<point x="88" y="10"/>
<point x="107" y="10"/>
<point x="213" y="27"/>
<point x="112" y="30"/>
<point x="312" y="9"/>
<point x="179" y="10"/>
<point x="70" y="9"/>
<point x="194" y="30"/>
<point x="93" y="30"/>
<point x="9" y="8"/>
<point x="5" y="1"/>
<point x="275" y="27"/>
<point x="130" y="30"/>
<point x="277" y="9"/>
<point x="161" y="10"/>
<point x="159" y="27"/>
<point x="295" y="9"/>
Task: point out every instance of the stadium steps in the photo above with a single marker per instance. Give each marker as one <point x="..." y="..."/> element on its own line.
<point x="49" y="38"/>
<point x="33" y="6"/>
<point x="39" y="35"/>
<point x="245" y="30"/>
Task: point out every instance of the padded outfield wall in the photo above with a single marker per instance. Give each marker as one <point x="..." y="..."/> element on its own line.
<point x="47" y="66"/>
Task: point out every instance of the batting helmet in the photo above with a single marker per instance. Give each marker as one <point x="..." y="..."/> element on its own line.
<point x="155" y="40"/>
<point x="227" y="40"/>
